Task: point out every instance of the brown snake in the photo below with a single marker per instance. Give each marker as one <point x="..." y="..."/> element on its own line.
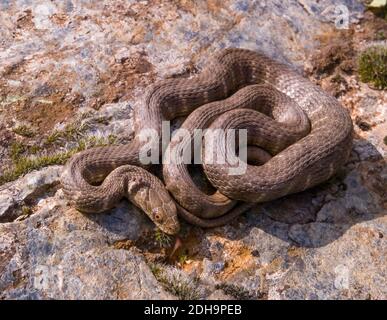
<point x="303" y="136"/>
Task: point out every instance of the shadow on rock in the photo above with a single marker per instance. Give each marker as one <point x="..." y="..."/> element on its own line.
<point x="319" y="216"/>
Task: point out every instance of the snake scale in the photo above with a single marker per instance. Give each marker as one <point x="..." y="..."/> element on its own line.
<point x="299" y="136"/>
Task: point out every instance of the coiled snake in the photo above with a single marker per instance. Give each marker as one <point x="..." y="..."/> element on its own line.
<point x="297" y="133"/>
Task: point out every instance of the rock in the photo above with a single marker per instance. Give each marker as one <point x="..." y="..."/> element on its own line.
<point x="218" y="266"/>
<point x="219" y="295"/>
<point x="207" y="274"/>
<point x="67" y="62"/>
<point x="6" y="205"/>
<point x="314" y="234"/>
<point x="210" y="269"/>
<point x="59" y="254"/>
<point x="32" y="186"/>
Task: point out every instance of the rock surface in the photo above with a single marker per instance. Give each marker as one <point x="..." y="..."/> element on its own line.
<point x="88" y="62"/>
<point x="59" y="254"/>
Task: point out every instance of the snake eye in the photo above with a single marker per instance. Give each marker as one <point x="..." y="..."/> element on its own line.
<point x="156" y="215"/>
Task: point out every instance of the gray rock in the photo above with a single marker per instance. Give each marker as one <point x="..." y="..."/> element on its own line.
<point x="32" y="186"/>
<point x="6" y="205"/>
<point x="59" y="254"/>
<point x="325" y="243"/>
<point x="219" y="295"/>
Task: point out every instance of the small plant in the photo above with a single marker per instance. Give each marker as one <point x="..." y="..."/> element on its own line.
<point x="380" y="35"/>
<point x="71" y="133"/>
<point x="24" y="131"/>
<point x="162" y="239"/>
<point x="53" y="137"/>
<point x="184" y="289"/>
<point x="26" y="211"/>
<point x="75" y="132"/>
<point x="112" y="139"/>
<point x="27" y="158"/>
<point x="182" y="259"/>
<point x="34" y="149"/>
<point x="157" y="270"/>
<point x="16" y="149"/>
<point x="23" y="165"/>
<point x="175" y="283"/>
<point x="373" y="66"/>
<point x="235" y="291"/>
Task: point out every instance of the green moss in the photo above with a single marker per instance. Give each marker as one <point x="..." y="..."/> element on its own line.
<point x="24" y="164"/>
<point x="34" y="149"/>
<point x="76" y="131"/>
<point x="28" y="158"/>
<point x="373" y="66"/>
<point x="70" y="133"/>
<point x="53" y="137"/>
<point x="24" y="131"/>
<point x="101" y="141"/>
<point x="16" y="150"/>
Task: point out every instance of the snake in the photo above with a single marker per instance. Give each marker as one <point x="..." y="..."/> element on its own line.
<point x="298" y="137"/>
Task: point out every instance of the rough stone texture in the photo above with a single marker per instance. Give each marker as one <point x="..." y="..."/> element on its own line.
<point x="31" y="186"/>
<point x="89" y="61"/>
<point x="60" y="254"/>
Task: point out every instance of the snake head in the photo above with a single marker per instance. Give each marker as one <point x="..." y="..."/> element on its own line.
<point x="163" y="211"/>
<point x="159" y="206"/>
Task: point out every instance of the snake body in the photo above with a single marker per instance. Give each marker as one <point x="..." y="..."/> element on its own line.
<point x="279" y="122"/>
<point x="307" y="133"/>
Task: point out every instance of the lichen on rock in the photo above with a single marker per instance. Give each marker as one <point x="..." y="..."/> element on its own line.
<point x="70" y="74"/>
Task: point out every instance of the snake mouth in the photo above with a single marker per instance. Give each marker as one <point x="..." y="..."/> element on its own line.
<point x="165" y="218"/>
<point x="171" y="227"/>
<point x="170" y="230"/>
